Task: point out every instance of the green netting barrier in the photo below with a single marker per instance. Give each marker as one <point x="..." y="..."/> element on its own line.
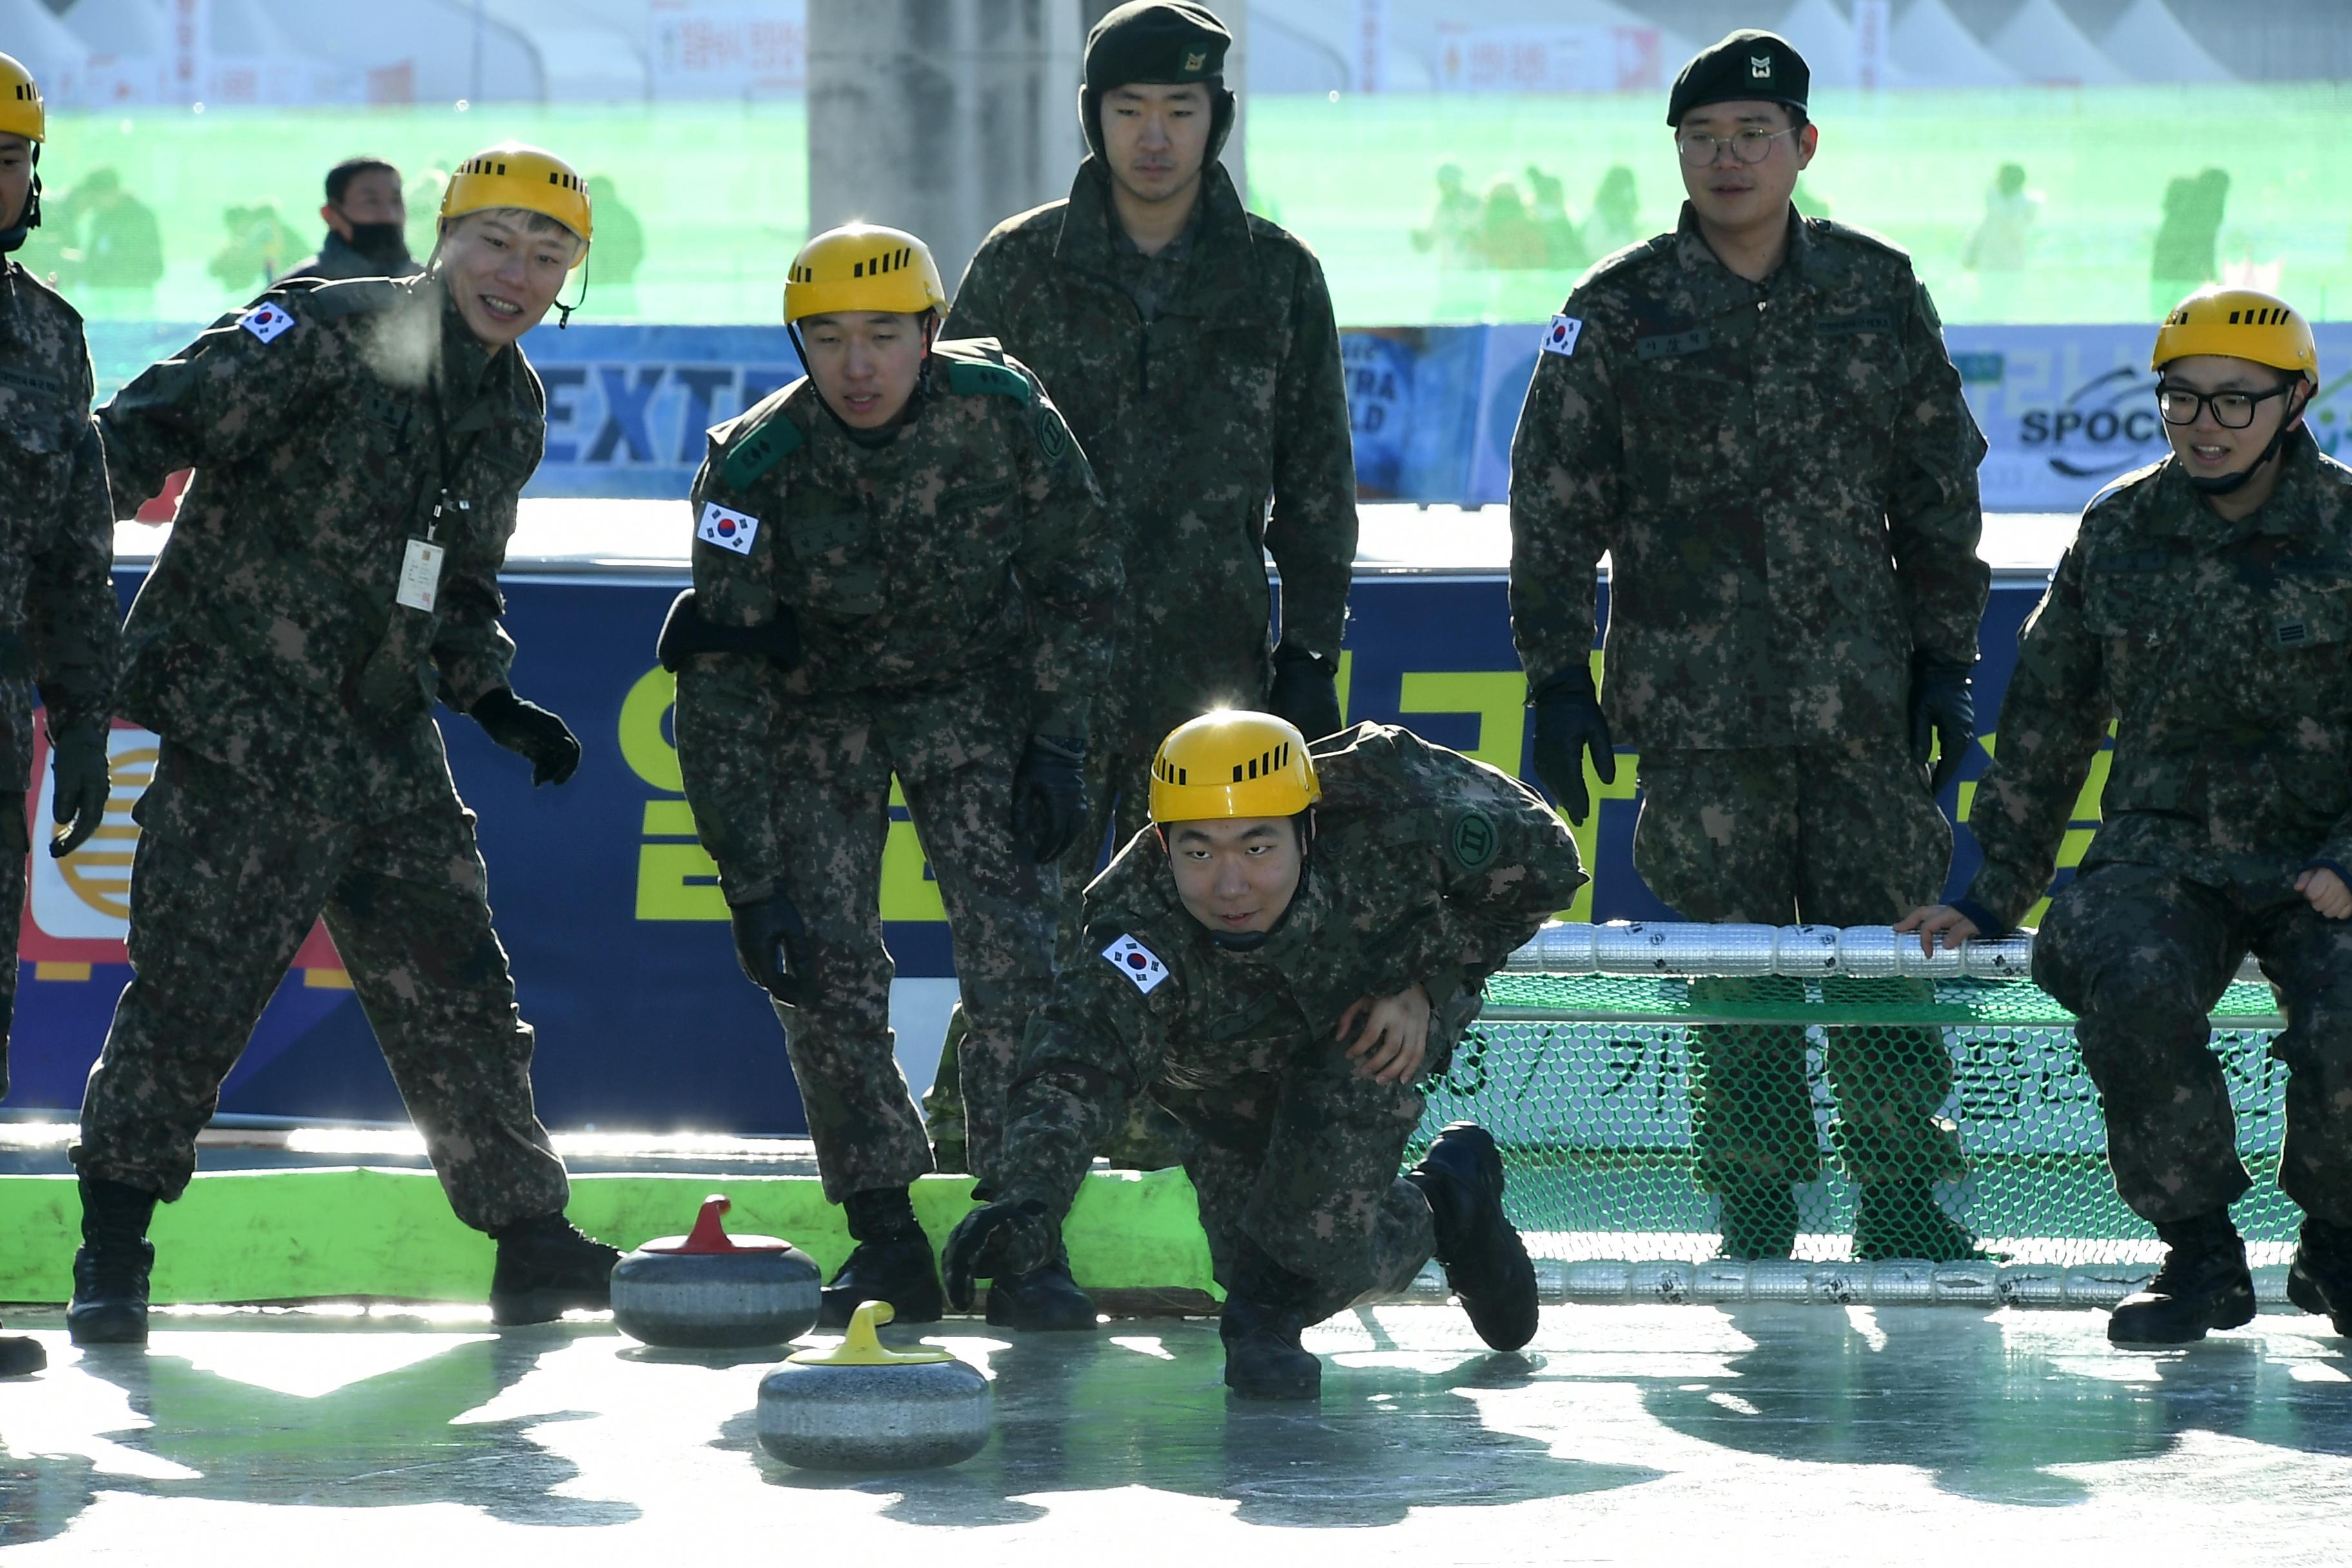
<point x="1621" y="1099"/>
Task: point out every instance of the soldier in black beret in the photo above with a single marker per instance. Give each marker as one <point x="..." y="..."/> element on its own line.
<point x="1755" y="416"/>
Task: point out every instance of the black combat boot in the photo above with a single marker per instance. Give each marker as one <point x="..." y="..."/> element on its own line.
<point x="21" y="1357"/>
<point x="109" y="1295"/>
<point x="1758" y="1217"/>
<point x="2203" y="1285"/>
<point x="2321" y="1277"/>
<point x="1902" y="1219"/>
<point x="1046" y="1298"/>
<point x="1265" y="1316"/>
<point x="1485" y="1260"/>
<point x="891" y="1262"/>
<point x="546" y="1269"/>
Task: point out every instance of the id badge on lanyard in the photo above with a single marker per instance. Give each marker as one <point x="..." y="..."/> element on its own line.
<point x="420" y="568"/>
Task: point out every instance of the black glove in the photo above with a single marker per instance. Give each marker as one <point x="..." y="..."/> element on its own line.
<point x="78" y="762"/>
<point x="1568" y="725"/>
<point x="765" y="932"/>
<point x="1306" y="692"/>
<point x="1943" y="708"/>
<point x="994" y="1241"/>
<point x="1049" y="795"/>
<point x="530" y="730"/>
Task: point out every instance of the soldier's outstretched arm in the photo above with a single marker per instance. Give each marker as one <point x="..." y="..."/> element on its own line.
<point x="223" y="399"/>
<point x="726" y="701"/>
<point x="1509" y="864"/>
<point x="2053" y="718"/>
<point x="1566" y="484"/>
<point x="1069" y="564"/>
<point x="1311" y="532"/>
<point x="73" y="624"/>
<point x="1934" y="516"/>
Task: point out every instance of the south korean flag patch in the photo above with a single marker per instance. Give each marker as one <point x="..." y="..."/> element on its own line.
<point x="1137" y="963"/>
<point x="269" y="322"/>
<point x="1561" y="337"/>
<point x="728" y="530"/>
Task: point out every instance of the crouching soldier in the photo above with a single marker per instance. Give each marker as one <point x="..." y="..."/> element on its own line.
<point x="1290" y="950"/>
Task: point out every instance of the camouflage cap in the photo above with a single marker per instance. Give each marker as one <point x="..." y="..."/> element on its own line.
<point x="1156" y="41"/>
<point x="1750" y="63"/>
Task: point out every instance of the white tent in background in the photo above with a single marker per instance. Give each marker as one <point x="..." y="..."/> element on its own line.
<point x="251" y="61"/>
<point x="1929" y="45"/>
<point x="50" y="50"/>
<point x="1824" y="36"/>
<point x="2148" y="43"/>
<point x="2042" y="43"/>
<point x="130" y="50"/>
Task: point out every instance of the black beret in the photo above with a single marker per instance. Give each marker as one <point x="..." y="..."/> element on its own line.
<point x="1750" y="63"/>
<point x="1158" y="41"/>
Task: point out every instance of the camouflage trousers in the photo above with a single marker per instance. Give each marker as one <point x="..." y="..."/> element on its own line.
<point x="1118" y="800"/>
<point x="1299" y="1158"/>
<point x="953" y="754"/>
<point x="1836" y="834"/>
<point x="15" y="843"/>
<point x="225" y="884"/>
<point x="2140" y="956"/>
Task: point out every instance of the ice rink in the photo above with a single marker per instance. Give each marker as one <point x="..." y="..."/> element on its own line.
<point x="1651" y="1435"/>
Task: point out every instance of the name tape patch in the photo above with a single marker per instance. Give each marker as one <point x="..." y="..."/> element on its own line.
<point x="728" y="530"/>
<point x="1137" y="962"/>
<point x="1561" y="338"/>
<point x="267" y="322"/>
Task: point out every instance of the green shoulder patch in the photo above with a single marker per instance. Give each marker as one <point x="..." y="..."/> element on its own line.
<point x="760" y="448"/>
<point x="1054" y="438"/>
<point x="1473" y="838"/>
<point x="968" y="378"/>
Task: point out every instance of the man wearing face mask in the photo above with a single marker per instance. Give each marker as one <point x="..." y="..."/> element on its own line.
<point x="358" y="448"/>
<point x="901" y="568"/>
<point x="2202" y="609"/>
<point x="1755" y="419"/>
<point x="1194" y="347"/>
<point x="58" y="621"/>
<point x="367" y="225"/>
<point x="1290" y="950"/>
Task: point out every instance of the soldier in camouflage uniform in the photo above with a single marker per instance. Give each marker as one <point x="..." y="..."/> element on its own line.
<point x="1294" y="947"/>
<point x="358" y="449"/>
<point x="1193" y="346"/>
<point x="2206" y="608"/>
<point x="57" y="612"/>
<point x="901" y="565"/>
<point x="1755" y="418"/>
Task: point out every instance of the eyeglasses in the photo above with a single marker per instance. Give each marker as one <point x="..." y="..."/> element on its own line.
<point x="2231" y="410"/>
<point x="1749" y="144"/>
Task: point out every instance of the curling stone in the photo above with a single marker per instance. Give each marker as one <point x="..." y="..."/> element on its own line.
<point x="865" y="1406"/>
<point x="708" y="1291"/>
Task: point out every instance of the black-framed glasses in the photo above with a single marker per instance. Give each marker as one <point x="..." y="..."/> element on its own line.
<point x="2231" y="410"/>
<point x="1749" y="144"/>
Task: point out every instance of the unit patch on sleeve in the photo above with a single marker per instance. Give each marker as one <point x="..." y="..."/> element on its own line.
<point x="728" y="530"/>
<point x="1137" y="962"/>
<point x="1561" y="338"/>
<point x="269" y="322"/>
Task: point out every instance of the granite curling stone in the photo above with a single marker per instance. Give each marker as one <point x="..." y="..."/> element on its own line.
<point x="708" y="1291"/>
<point x="865" y="1406"/>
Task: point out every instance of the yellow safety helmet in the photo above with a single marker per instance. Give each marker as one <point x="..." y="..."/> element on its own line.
<point x="511" y="175"/>
<point x="863" y="266"/>
<point x="2242" y="323"/>
<point x="20" y="101"/>
<point x="1233" y="764"/>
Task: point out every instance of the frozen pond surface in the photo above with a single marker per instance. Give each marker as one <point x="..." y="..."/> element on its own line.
<point x="1651" y="1435"/>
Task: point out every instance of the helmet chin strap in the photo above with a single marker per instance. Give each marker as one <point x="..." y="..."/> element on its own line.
<point x="2230" y="484"/>
<point x="931" y="336"/>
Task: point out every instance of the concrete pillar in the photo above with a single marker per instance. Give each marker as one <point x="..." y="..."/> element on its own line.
<point x="943" y="117"/>
<point x="1235" y="14"/>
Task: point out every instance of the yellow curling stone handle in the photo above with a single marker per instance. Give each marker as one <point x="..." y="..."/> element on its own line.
<point x="859" y="1347"/>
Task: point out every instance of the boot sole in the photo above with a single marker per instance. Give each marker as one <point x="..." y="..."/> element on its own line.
<point x="1286" y="1392"/>
<point x="834" y="1312"/>
<point x="113" y="1327"/>
<point x="21" y="1357"/>
<point x="2306" y="1293"/>
<point x="2235" y="1316"/>
<point x="1040" y="1322"/>
<point x="1506" y="1316"/>
<point x="544" y="1306"/>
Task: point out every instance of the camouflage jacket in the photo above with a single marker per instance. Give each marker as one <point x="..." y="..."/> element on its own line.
<point x="2222" y="653"/>
<point x="1426" y="866"/>
<point x="326" y="425"/>
<point x="1784" y="475"/>
<point x="60" y="624"/>
<point x="1230" y="399"/>
<point x="972" y="539"/>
